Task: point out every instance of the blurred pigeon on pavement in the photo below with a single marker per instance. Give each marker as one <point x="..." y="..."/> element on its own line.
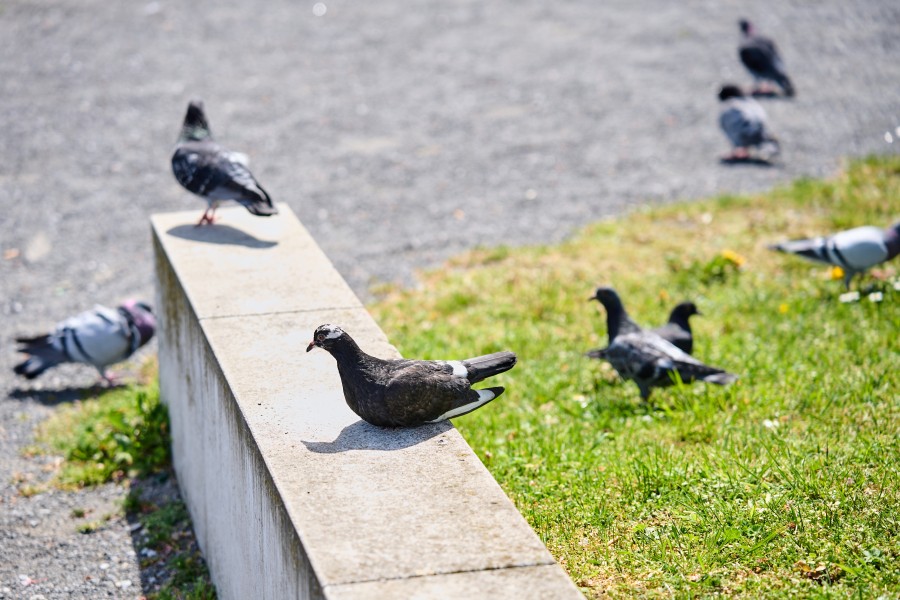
<point x="208" y="170"/>
<point x="650" y="361"/>
<point x="853" y="250"/>
<point x="760" y="55"/>
<point x="98" y="337"/>
<point x="744" y="122"/>
<point x="404" y="392"/>
<point x="677" y="331"/>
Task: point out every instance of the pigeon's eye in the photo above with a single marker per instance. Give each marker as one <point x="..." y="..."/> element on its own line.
<point x="321" y="337"/>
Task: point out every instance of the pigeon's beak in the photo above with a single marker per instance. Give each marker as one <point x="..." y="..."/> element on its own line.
<point x="312" y="345"/>
<point x="592" y="298"/>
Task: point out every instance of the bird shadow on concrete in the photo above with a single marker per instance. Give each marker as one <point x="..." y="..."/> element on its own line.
<point x="364" y="436"/>
<point x="54" y="397"/>
<point x="219" y="234"/>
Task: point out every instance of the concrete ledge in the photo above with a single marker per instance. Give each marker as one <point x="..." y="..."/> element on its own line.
<point x="291" y="494"/>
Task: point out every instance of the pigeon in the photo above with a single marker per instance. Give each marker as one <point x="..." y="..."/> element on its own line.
<point x="650" y="361"/>
<point x="760" y="55"/>
<point x="744" y="122"/>
<point x="617" y="319"/>
<point x="408" y="393"/>
<point x="853" y="250"/>
<point x="99" y="337"/>
<point x="212" y="172"/>
<point x="677" y="331"/>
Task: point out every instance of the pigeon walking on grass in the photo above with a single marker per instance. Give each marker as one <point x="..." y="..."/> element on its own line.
<point x="760" y="55"/>
<point x="853" y="250"/>
<point x="404" y="392"/>
<point x="744" y="121"/>
<point x="212" y="172"/>
<point x="99" y="337"/>
<point x="650" y="361"/>
<point x="677" y="331"/>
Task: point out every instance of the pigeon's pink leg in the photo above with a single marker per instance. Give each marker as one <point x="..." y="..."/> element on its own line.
<point x="208" y="216"/>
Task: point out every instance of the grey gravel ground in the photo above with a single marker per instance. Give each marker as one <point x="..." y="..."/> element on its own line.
<point x="400" y="132"/>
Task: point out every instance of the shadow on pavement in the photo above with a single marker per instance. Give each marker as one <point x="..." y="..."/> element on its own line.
<point x="219" y="234"/>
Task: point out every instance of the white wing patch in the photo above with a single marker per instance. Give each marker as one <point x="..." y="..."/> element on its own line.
<point x="484" y="396"/>
<point x="459" y="369"/>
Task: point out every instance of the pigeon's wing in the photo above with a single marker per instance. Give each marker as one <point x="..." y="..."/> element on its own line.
<point x="421" y="391"/>
<point x="756" y="57"/>
<point x="859" y="248"/>
<point x="743" y="125"/>
<point x="99" y="337"/>
<point x="207" y="170"/>
<point x="676" y="335"/>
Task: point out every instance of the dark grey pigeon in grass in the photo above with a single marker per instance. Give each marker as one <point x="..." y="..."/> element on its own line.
<point x="99" y="337"/>
<point x="650" y="361"/>
<point x="404" y="392"/>
<point x="617" y="319"/>
<point x="212" y="172"/>
<point x="744" y="122"/>
<point x="853" y="250"/>
<point x="677" y="331"/>
<point x="760" y="55"/>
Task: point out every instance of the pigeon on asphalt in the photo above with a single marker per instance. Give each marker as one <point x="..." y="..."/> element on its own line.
<point x="404" y="392"/>
<point x="678" y="329"/>
<point x="212" y="172"/>
<point x="760" y="55"/>
<point x="650" y="361"/>
<point x="853" y="250"/>
<point x="744" y="122"/>
<point x="98" y="337"/>
<point x="617" y="319"/>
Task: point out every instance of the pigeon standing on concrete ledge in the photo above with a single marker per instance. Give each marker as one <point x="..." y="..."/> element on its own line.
<point x="853" y="250"/>
<point x="98" y="337"/>
<point x="744" y="122"/>
<point x="404" y="392"/>
<point x="213" y="173"/>
<point x="760" y="55"/>
<point x="677" y="331"/>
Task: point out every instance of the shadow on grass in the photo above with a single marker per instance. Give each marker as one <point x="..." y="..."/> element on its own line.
<point x="219" y="234"/>
<point x="364" y="436"/>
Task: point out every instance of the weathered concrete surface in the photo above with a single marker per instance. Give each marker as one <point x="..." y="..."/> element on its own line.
<point x="291" y="494"/>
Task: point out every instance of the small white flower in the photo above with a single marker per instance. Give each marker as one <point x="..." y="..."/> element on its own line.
<point x="770" y="424"/>
<point x="876" y="297"/>
<point x="849" y="297"/>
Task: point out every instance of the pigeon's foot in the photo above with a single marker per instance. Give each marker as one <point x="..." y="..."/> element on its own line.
<point x="738" y="154"/>
<point x="207" y="218"/>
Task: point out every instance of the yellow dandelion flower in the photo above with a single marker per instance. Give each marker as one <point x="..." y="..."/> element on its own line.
<point x="733" y="257"/>
<point x="837" y="273"/>
<point x="783" y="308"/>
<point x="663" y="295"/>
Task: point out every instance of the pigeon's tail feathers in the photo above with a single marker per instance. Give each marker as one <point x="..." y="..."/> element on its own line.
<point x="785" y="82"/>
<point x="482" y="367"/>
<point x="811" y="249"/>
<point x="38" y="341"/>
<point x="598" y="353"/>
<point x="259" y="204"/>
<point x="31" y="368"/>
<point x="723" y="378"/>
<point x="481" y="397"/>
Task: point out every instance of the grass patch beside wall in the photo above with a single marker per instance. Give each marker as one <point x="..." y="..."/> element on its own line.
<point x="786" y="483"/>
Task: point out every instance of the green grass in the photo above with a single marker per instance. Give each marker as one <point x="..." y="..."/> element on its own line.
<point x="786" y="483"/>
<point x="122" y="432"/>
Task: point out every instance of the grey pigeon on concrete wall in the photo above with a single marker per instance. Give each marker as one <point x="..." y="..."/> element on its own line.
<point x="760" y="55"/>
<point x="853" y="250"/>
<point x="650" y="361"/>
<point x="99" y="337"/>
<point x="677" y="331"/>
<point x="744" y="122"/>
<point x="212" y="172"/>
<point x="404" y="392"/>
